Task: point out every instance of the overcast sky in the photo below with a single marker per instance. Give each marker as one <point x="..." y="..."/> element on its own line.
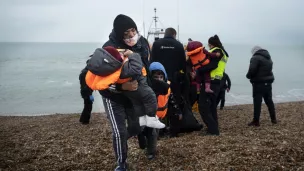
<point x="235" y="21"/>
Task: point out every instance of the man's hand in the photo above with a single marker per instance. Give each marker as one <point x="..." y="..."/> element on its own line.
<point x="180" y="117"/>
<point x="130" y="85"/>
<point x="218" y="54"/>
<point x="128" y="52"/>
<point x="92" y="98"/>
<point x="228" y="90"/>
<point x="193" y="74"/>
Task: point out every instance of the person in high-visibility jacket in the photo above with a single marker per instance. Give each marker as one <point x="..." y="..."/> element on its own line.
<point x="108" y="66"/>
<point x="207" y="101"/>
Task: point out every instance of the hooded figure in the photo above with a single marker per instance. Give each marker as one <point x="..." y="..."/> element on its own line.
<point x="148" y="137"/>
<point x="158" y="66"/>
<point x="261" y="76"/>
<point x="121" y="24"/>
<point x="117" y="105"/>
<point x="260" y="69"/>
<point x="255" y="49"/>
<point x="159" y="87"/>
<point x="177" y="120"/>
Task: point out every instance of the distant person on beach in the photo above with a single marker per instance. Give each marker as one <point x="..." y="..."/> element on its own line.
<point x="88" y="99"/>
<point x="225" y="86"/>
<point x="117" y="106"/>
<point x="207" y="101"/>
<point x="261" y="77"/>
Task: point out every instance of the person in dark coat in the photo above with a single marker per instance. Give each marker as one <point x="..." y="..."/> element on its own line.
<point x="117" y="106"/>
<point x="88" y="98"/>
<point x="261" y="77"/>
<point x="225" y="86"/>
<point x="171" y="54"/>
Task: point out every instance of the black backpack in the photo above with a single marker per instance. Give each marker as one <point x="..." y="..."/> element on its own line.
<point x="189" y="123"/>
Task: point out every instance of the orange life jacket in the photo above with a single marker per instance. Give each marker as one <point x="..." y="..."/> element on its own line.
<point x="96" y="82"/>
<point x="162" y="103"/>
<point x="198" y="58"/>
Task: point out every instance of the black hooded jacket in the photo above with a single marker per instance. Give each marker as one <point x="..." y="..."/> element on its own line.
<point x="85" y="91"/>
<point x="171" y="54"/>
<point x="260" y="69"/>
<point x="225" y="82"/>
<point x="142" y="47"/>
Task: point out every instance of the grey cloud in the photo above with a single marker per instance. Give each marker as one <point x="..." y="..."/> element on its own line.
<point x="235" y="21"/>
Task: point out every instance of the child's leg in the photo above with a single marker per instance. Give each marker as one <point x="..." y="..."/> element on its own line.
<point x="149" y="101"/>
<point x="207" y="82"/>
<point x="150" y="105"/>
<point x="145" y="105"/>
<point x="151" y="135"/>
<point x="198" y="84"/>
<point x="138" y="107"/>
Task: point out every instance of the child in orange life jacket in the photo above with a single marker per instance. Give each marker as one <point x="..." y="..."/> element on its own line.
<point x="200" y="57"/>
<point x="161" y="87"/>
<point x="165" y="99"/>
<point x="143" y="99"/>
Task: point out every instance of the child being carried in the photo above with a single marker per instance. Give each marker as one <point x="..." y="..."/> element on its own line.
<point x="108" y="66"/>
<point x="200" y="57"/>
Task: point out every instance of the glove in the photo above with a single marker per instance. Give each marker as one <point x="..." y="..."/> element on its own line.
<point x="92" y="98"/>
<point x="180" y="116"/>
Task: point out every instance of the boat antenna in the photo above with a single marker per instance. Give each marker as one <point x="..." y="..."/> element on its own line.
<point x="155" y="31"/>
<point x="178" y="19"/>
<point x="144" y="29"/>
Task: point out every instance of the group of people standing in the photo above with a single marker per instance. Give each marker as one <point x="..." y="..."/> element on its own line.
<point x="152" y="88"/>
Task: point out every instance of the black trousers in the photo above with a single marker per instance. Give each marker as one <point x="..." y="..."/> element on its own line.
<point x="144" y="100"/>
<point x="116" y="114"/>
<point x="193" y="96"/>
<point x="86" y="112"/>
<point x="221" y="98"/>
<point x="207" y="108"/>
<point x="148" y="139"/>
<point x="262" y="91"/>
<point x="176" y="90"/>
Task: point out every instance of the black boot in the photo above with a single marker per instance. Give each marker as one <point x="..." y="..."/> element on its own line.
<point x="254" y="123"/>
<point x="274" y="121"/>
<point x="142" y="141"/>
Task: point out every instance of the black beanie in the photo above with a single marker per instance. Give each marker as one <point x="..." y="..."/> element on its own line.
<point x="121" y="24"/>
<point x="213" y="41"/>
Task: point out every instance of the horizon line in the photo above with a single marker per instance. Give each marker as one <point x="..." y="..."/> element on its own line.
<point x="227" y="43"/>
<point x="47" y="42"/>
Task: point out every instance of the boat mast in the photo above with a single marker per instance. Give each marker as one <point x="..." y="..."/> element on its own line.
<point x="178" y="19"/>
<point x="155" y="31"/>
<point x="144" y="29"/>
<point x="155" y="19"/>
